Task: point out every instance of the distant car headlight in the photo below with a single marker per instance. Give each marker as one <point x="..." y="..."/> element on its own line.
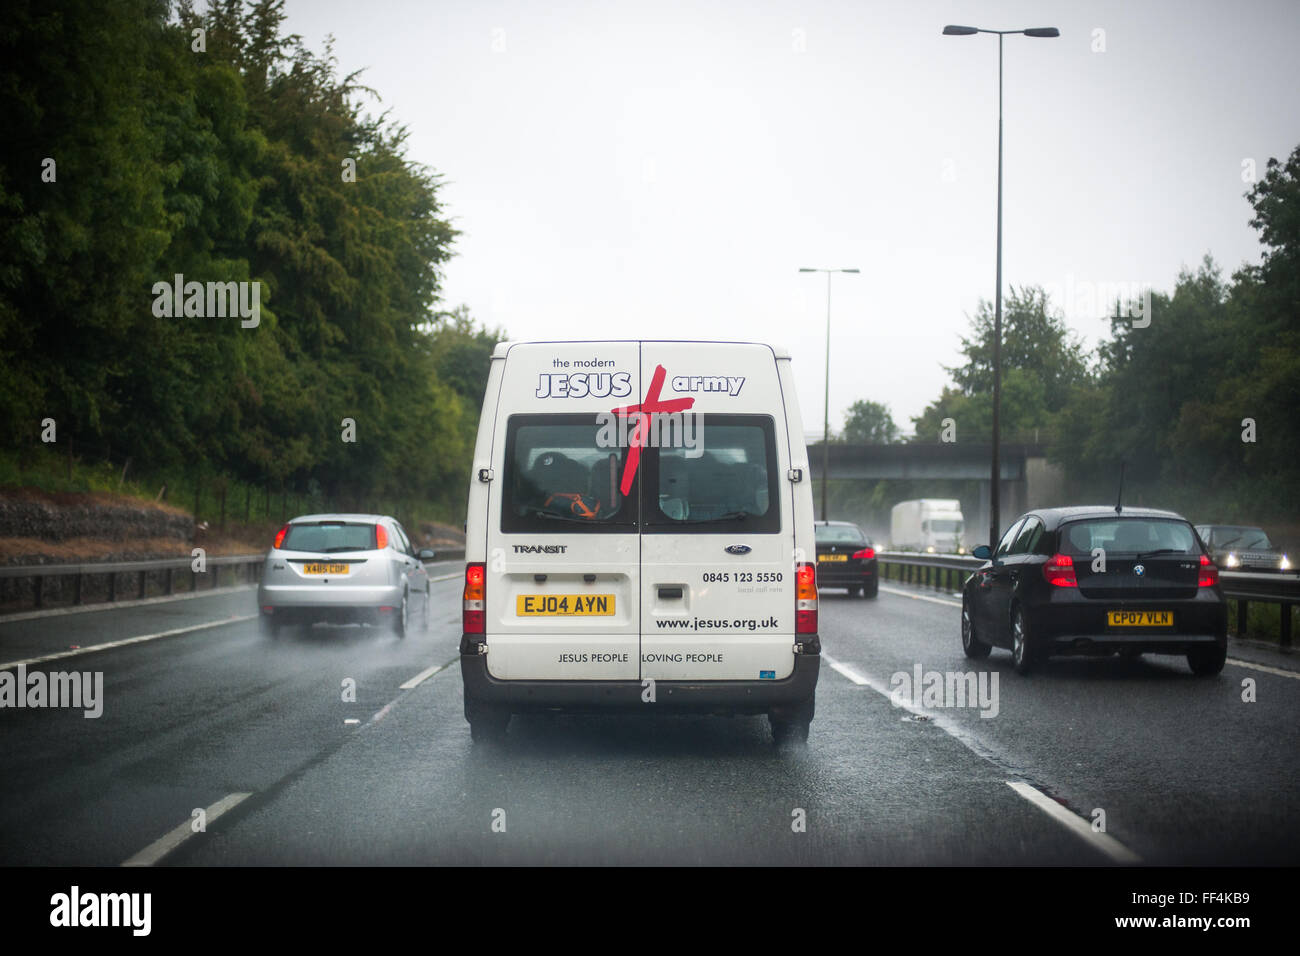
<point x="961" y="550"/>
<point x="930" y="550"/>
<point x="1286" y="563"/>
<point x="1231" y="561"/>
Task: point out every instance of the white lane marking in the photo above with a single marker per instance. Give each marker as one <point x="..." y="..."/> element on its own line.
<point x="234" y="619"/>
<point x="421" y="677"/>
<point x="1294" y="675"/>
<point x="902" y="704"/>
<point x="445" y="577"/>
<point x="349" y="721"/>
<point x="133" y="602"/>
<point x="846" y="671"/>
<point x="920" y="597"/>
<point x="159" y="848"/>
<point x="1107" y="844"/>
<point x="1072" y="821"/>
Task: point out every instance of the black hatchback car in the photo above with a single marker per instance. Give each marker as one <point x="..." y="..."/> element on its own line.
<point x="845" y="558"/>
<point x="1093" y="580"/>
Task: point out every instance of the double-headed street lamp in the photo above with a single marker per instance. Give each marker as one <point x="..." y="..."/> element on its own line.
<point x="953" y="31"/>
<point x="826" y="421"/>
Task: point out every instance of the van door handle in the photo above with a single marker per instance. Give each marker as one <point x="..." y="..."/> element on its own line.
<point x="670" y="592"/>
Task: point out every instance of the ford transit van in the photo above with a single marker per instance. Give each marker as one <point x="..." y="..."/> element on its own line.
<point x="639" y="536"/>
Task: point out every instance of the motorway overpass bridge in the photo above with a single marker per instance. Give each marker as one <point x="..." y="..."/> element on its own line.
<point x="1028" y="479"/>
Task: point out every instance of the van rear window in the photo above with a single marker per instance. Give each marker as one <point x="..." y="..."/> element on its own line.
<point x="727" y="483"/>
<point x="561" y="476"/>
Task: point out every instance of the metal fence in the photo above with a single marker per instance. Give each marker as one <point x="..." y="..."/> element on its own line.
<point x="129" y="579"/>
<point x="135" y="574"/>
<point x="947" y="572"/>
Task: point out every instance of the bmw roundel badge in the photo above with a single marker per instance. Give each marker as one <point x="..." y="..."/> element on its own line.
<point x="1139" y="570"/>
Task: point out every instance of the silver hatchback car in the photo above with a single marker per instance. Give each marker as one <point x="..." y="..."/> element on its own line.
<point x="344" y="568"/>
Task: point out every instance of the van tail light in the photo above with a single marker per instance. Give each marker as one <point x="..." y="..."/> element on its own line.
<point x="1209" y="575"/>
<point x="1059" y="570"/>
<point x="381" y="537"/>
<point x="473" y="620"/>
<point x="866" y="554"/>
<point x="805" y="598"/>
<point x="279" y="537"/>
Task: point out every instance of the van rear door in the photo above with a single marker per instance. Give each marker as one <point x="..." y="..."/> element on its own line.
<point x="717" y="559"/>
<point x="563" y="591"/>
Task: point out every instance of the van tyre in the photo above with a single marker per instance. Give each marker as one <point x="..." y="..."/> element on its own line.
<point x="970" y="642"/>
<point x="790" y="725"/>
<point x="487" y="724"/>
<point x="1024" y="655"/>
<point x="1206" y="662"/>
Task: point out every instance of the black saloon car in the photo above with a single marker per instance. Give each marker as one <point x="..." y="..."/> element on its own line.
<point x="1091" y="580"/>
<point x="845" y="558"/>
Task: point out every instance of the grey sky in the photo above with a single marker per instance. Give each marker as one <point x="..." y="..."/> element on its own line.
<point x="664" y="168"/>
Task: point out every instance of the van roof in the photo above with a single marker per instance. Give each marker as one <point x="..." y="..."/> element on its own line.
<point x="503" y="347"/>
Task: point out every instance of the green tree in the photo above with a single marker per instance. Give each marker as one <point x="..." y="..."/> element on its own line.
<point x="1042" y="363"/>
<point x="869" y="423"/>
<point x="226" y="165"/>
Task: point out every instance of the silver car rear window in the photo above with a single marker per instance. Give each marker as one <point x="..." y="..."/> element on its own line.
<point x="329" y="537"/>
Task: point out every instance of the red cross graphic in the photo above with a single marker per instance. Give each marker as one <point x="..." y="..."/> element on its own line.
<point x="647" y="408"/>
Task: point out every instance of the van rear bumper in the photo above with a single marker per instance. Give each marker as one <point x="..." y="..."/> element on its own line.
<point x="671" y="696"/>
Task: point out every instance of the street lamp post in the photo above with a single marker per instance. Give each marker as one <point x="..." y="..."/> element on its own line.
<point x="994" y="481"/>
<point x="826" y="420"/>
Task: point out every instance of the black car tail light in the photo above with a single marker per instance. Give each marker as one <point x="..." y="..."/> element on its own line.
<point x="1209" y="575"/>
<point x="1059" y="570"/>
<point x="866" y="554"/>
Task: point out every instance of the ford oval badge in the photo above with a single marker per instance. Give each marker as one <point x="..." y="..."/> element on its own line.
<point x="739" y="549"/>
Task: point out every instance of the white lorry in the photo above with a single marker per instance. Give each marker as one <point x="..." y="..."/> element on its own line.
<point x="932" y="525"/>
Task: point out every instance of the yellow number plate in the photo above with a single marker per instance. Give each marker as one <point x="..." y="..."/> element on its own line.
<point x="324" y="569"/>
<point x="564" y="605"/>
<point x="1140" y="618"/>
<point x="832" y="557"/>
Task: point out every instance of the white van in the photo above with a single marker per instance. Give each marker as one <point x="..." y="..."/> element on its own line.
<point x="640" y="535"/>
